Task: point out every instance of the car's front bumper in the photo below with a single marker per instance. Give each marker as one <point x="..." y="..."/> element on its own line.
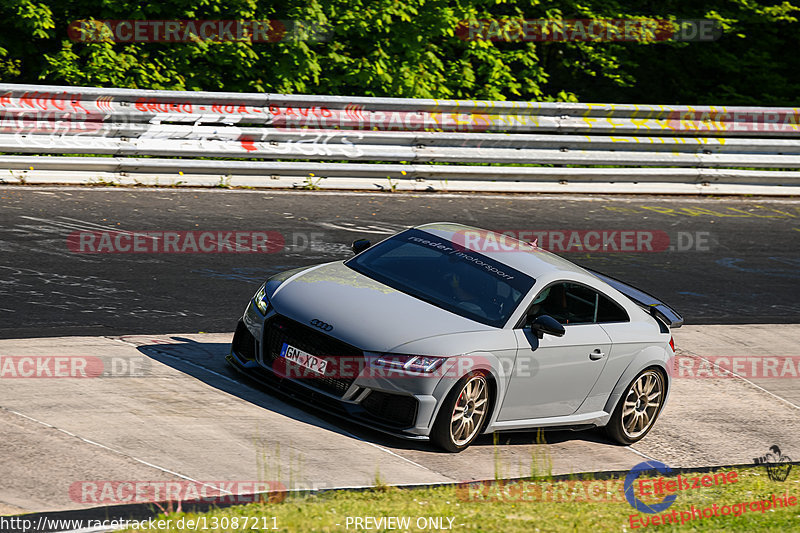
<point x="403" y="406"/>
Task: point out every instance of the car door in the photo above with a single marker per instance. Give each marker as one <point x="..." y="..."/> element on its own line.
<point x="553" y="376"/>
<point x="629" y="338"/>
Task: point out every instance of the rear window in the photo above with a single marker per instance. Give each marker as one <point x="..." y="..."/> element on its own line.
<point x="439" y="272"/>
<point x="609" y="311"/>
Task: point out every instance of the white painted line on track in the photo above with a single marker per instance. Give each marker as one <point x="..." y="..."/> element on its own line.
<point x="227" y="378"/>
<point x="113" y="450"/>
<point x="637" y="452"/>
<point x="762" y="389"/>
<point x="390" y="452"/>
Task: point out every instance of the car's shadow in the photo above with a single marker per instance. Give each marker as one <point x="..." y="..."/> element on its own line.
<point x="205" y="361"/>
<point x="547" y="436"/>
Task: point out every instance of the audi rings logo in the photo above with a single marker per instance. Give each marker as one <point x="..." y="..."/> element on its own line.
<point x="324" y="326"/>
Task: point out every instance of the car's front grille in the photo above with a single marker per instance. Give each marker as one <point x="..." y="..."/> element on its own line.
<point x="344" y="362"/>
<point x="290" y="388"/>
<point x="392" y="409"/>
<point x="244" y="344"/>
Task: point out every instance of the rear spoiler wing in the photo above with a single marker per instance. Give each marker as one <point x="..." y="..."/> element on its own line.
<point x="653" y="305"/>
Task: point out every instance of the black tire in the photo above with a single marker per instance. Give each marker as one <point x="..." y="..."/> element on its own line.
<point x="459" y="397"/>
<point x="631" y="425"/>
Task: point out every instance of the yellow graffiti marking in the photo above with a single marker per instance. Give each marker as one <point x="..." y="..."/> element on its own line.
<point x="777" y="211"/>
<point x="726" y="212"/>
<point x="621" y="209"/>
<point x="640" y="122"/>
<point x="748" y="213"/>
<point x="662" y="210"/>
<point x="698" y="211"/>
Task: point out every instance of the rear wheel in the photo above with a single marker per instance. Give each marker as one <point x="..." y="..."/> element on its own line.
<point x="638" y="408"/>
<point x="463" y="413"/>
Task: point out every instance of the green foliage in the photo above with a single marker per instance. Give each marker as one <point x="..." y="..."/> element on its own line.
<point x="412" y="49"/>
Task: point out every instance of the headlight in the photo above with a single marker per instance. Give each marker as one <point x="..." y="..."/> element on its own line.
<point x="412" y="363"/>
<point x="261" y="301"/>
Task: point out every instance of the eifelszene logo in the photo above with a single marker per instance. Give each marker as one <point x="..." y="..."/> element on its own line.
<point x="777" y="464"/>
<point x="630" y="493"/>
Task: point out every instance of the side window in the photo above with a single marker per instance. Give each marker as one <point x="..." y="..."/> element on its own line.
<point x="572" y="303"/>
<point x="581" y="304"/>
<point x="569" y="303"/>
<point x="609" y="311"/>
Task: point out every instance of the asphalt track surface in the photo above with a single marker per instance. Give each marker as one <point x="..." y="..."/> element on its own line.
<point x="184" y="415"/>
<point x="746" y="269"/>
<point x="191" y="417"/>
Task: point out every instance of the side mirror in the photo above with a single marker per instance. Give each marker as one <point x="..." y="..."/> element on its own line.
<point x="360" y="245"/>
<point x="547" y="324"/>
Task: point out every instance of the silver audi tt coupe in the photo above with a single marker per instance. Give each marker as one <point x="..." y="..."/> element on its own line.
<point x="443" y="332"/>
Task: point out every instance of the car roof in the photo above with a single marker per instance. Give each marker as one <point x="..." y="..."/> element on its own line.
<point x="523" y="256"/>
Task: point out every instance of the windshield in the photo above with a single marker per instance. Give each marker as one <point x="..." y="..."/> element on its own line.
<point x="439" y="272"/>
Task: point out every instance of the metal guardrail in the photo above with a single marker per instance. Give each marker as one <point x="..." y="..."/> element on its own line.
<point x="265" y="138"/>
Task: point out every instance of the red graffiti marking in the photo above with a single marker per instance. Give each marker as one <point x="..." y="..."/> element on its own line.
<point x="154" y="106"/>
<point x="46" y="101"/>
<point x="247" y="144"/>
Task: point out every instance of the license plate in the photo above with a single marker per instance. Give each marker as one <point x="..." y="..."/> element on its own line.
<point x="304" y="359"/>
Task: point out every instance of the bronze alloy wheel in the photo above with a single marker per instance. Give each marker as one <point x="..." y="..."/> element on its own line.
<point x="469" y="411"/>
<point x="642" y="404"/>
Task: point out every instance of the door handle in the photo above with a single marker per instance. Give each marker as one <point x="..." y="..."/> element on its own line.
<point x="596" y="354"/>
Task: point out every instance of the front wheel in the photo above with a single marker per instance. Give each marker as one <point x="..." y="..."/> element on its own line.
<point x="463" y="413"/>
<point x="638" y="408"/>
